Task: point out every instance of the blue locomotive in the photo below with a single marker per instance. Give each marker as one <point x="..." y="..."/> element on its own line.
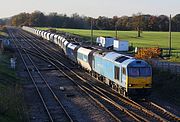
<point x="125" y="74"/>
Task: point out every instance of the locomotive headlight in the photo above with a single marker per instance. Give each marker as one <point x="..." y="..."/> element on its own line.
<point x="130" y="85"/>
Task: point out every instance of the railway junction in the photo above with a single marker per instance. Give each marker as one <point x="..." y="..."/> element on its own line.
<point x="57" y="90"/>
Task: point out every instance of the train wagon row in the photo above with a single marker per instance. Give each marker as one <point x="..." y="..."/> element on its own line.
<point x="123" y="73"/>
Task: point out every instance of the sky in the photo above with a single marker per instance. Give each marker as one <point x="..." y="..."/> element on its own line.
<point x="92" y="8"/>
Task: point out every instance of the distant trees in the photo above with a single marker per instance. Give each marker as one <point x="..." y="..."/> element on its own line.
<point x="36" y="18"/>
<point x="139" y="21"/>
<point x="20" y="19"/>
<point x="163" y="23"/>
<point x="152" y="23"/>
<point x="124" y="23"/>
<point x="176" y="23"/>
<point x="101" y="23"/>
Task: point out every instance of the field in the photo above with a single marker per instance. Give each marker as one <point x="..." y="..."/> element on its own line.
<point x="148" y="39"/>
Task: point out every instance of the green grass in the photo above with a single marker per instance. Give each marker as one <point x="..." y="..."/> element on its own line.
<point x="5" y="71"/>
<point x="148" y="39"/>
<point x="10" y="92"/>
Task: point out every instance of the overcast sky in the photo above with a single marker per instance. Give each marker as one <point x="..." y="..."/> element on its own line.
<point x="93" y="8"/>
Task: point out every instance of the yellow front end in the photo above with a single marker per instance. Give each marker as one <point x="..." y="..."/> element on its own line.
<point x="139" y="82"/>
<point x="139" y="86"/>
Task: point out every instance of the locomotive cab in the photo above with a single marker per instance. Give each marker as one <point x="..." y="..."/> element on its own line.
<point x="139" y="78"/>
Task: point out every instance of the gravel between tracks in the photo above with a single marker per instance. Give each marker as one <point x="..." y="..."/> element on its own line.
<point x="78" y="105"/>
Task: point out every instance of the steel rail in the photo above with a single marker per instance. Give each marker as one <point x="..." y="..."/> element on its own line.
<point x="54" y="95"/>
<point x="30" y="75"/>
<point x="126" y="111"/>
<point x="132" y="103"/>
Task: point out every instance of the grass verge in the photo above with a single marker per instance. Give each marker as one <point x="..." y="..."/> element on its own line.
<point x="11" y="102"/>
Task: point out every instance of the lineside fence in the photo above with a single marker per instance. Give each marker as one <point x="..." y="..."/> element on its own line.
<point x="175" y="54"/>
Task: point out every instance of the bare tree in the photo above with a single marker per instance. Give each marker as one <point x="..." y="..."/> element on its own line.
<point x="137" y="23"/>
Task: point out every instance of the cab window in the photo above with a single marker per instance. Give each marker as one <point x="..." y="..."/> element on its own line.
<point x="139" y="71"/>
<point x="145" y="71"/>
<point x="133" y="72"/>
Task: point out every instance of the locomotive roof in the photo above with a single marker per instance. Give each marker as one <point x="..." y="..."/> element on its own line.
<point x="117" y="57"/>
<point x="127" y="62"/>
<point x="112" y="55"/>
<point x="135" y="63"/>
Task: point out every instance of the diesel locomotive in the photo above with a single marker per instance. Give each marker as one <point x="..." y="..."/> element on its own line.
<point x="125" y="74"/>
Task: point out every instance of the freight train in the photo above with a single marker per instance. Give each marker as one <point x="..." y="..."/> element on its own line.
<point x="125" y="74"/>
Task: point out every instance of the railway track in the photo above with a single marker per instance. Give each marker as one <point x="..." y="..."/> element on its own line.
<point x="157" y="117"/>
<point x="162" y="112"/>
<point x="103" y="94"/>
<point x="152" y="109"/>
<point x="90" y="91"/>
<point x="52" y="105"/>
<point x="152" y="114"/>
<point x="95" y="96"/>
<point x="81" y="89"/>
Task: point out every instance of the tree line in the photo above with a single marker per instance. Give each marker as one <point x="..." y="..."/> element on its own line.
<point x="137" y="21"/>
